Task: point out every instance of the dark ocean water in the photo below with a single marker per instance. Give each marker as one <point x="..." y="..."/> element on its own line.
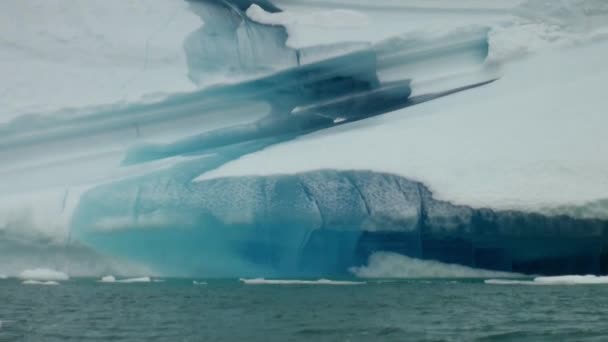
<point x="226" y="310"/>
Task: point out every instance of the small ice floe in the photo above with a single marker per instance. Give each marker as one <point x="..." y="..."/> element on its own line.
<point x="135" y="280"/>
<point x="108" y="279"/>
<point x="43" y="274"/>
<point x="509" y="282"/>
<point x="194" y="282"/>
<point x="556" y="280"/>
<point x="262" y="281"/>
<point x="112" y="279"/>
<point x="39" y="282"/>
<point x="3" y="276"/>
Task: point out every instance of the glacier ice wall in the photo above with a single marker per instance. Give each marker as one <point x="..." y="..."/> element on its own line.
<point x="322" y="222"/>
<point x="229" y="46"/>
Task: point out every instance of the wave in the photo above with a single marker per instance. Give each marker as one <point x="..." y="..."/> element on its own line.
<point x="392" y="265"/>
<point x="108" y="157"/>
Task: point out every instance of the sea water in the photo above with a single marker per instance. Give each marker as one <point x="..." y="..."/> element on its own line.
<point x="369" y="310"/>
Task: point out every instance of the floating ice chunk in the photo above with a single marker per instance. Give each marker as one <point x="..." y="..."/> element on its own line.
<point x="108" y="279"/>
<point x="572" y="280"/>
<point x="38" y="282"/>
<point x="312" y="23"/>
<point x="112" y="279"/>
<point x="194" y="282"/>
<point x="2" y="276"/>
<point x="534" y="171"/>
<point x="392" y="265"/>
<point x="555" y="280"/>
<point x="135" y="280"/>
<point x="262" y="281"/>
<point x="43" y="274"/>
<point x="121" y="65"/>
<point x="509" y="282"/>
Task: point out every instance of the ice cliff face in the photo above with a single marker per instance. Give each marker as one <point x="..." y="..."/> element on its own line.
<point x="477" y="156"/>
<point x="322" y="222"/>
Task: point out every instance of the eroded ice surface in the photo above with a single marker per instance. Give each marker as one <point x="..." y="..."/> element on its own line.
<point x="322" y="222"/>
<point x="513" y="144"/>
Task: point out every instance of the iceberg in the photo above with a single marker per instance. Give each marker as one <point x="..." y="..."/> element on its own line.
<point x="304" y="139"/>
<point x="556" y="280"/>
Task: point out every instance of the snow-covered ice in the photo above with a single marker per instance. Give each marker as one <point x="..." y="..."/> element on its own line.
<point x="135" y="280"/>
<point x="513" y="144"/>
<point x="311" y="23"/>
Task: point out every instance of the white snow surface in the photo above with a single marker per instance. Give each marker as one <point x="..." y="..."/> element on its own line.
<point x="531" y="140"/>
<point x="539" y="25"/>
<point x="43" y="274"/>
<point x="311" y="23"/>
<point x="56" y="53"/>
<point x="393" y="265"/>
<point x="517" y="27"/>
